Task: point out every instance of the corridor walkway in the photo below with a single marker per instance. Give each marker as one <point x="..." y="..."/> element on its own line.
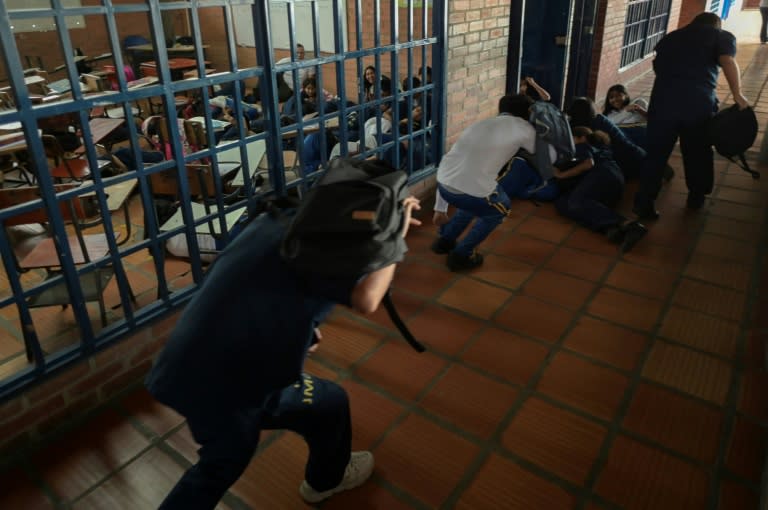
<point x="559" y="375"/>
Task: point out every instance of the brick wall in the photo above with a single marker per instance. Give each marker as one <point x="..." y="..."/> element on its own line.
<point x="476" y="79"/>
<point x="606" y="54"/>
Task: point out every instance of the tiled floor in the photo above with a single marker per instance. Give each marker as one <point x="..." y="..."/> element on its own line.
<point x="559" y="375"/>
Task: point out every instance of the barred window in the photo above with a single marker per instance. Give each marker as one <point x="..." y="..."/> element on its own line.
<point x="645" y="25"/>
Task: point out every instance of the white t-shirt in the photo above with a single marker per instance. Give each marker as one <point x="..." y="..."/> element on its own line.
<point x="288" y="76"/>
<point x="624" y="117"/>
<point x="474" y="161"/>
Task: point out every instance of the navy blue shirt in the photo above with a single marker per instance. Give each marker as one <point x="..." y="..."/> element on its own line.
<point x="686" y="63"/>
<point x="245" y="333"/>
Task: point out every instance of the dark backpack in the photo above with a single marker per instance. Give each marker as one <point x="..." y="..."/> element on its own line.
<point x="350" y="223"/>
<point x="552" y="130"/>
<point x="732" y="132"/>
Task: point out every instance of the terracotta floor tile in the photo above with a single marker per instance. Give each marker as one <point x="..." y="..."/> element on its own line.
<point x="535" y="318"/>
<point x="579" y="264"/>
<point x="79" y="459"/>
<point x="637" y="477"/>
<point x="559" y="289"/>
<point x="142" y="484"/>
<point x="424" y="459"/>
<point x="726" y="248"/>
<point x="525" y="248"/>
<point x="143" y="407"/>
<point x="618" y="346"/>
<point x="627" y="309"/>
<point x="558" y="441"/>
<point x="736" y="211"/>
<point x="545" y="229"/>
<point x="710" y="299"/>
<point x="734" y="496"/>
<point x="506" y="355"/>
<point x="704" y="332"/>
<point x="500" y="483"/>
<point x="747" y="449"/>
<point x="578" y="383"/>
<point x="698" y="374"/>
<point x="719" y="271"/>
<point x="372" y="414"/>
<point x="682" y="424"/>
<point x="369" y="496"/>
<point x="503" y="271"/>
<point x="345" y="341"/>
<point x="754" y="394"/>
<point x="421" y="278"/>
<point x="734" y="229"/>
<point x="641" y="280"/>
<point x="400" y="370"/>
<point x="592" y="242"/>
<point x="469" y="400"/>
<point x="442" y="329"/>
<point x="474" y="297"/>
<point x="273" y="477"/>
<point x="17" y="490"/>
<point x="314" y="367"/>
<point x="678" y="228"/>
<point x="664" y="257"/>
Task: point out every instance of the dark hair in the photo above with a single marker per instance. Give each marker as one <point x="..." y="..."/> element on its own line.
<point x="707" y="18"/>
<point x="582" y="112"/>
<point x="411" y="84"/>
<point x="429" y="73"/>
<point x="366" y="70"/>
<point x="595" y="138"/>
<point x="386" y="85"/>
<point x="309" y="81"/>
<point x="607" y="108"/>
<point x="516" y="105"/>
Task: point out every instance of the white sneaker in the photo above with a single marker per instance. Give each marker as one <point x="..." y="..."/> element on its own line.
<point x="357" y="472"/>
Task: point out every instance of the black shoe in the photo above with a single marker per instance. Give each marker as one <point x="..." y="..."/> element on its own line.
<point x="615" y="234"/>
<point x="441" y="246"/>
<point x="633" y="232"/>
<point x="669" y="173"/>
<point x="695" y="201"/>
<point x="646" y="213"/>
<point x="458" y="262"/>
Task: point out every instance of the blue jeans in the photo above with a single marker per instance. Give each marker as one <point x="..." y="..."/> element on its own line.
<point x="314" y="408"/>
<point x="489" y="211"/>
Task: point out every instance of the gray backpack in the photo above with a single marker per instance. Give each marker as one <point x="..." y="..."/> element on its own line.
<point x="552" y="130"/>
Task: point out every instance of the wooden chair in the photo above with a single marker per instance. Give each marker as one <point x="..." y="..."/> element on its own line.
<point x="85" y="248"/>
<point x="197" y="140"/>
<point x="67" y="167"/>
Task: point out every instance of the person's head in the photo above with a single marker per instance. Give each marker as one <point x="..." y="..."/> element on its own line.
<point x="428" y="78"/>
<point x="300" y="53"/>
<point x="582" y="112"/>
<point x="583" y="134"/>
<point x="386" y="86"/>
<point x="310" y="87"/>
<point x="707" y="18"/>
<point x="616" y="99"/>
<point x="369" y="75"/>
<point x="413" y="83"/>
<point x="516" y="105"/>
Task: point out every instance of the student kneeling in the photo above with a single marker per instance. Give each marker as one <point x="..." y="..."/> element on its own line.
<point x="592" y="187"/>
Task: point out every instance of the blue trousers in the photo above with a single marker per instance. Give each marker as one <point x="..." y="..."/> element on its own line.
<point x="664" y="129"/>
<point x="316" y="409"/>
<point x="592" y="201"/>
<point x="489" y="211"/>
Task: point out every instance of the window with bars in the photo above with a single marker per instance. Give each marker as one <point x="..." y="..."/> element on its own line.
<point x="645" y="25"/>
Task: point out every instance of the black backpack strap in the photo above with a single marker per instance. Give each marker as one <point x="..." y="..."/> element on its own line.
<point x="742" y="163"/>
<point x="392" y="311"/>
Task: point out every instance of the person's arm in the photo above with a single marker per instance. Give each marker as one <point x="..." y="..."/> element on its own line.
<point x="543" y="94"/>
<point x="733" y="77"/>
<point x="369" y="291"/>
<point x="578" y="169"/>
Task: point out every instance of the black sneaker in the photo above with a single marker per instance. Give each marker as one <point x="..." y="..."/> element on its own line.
<point x="633" y="232"/>
<point x="646" y="213"/>
<point x="695" y="201"/>
<point x="441" y="246"/>
<point x="615" y="234"/>
<point x="458" y="262"/>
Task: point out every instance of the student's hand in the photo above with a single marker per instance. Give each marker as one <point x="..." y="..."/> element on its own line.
<point x="440" y="218"/>
<point x="741" y="101"/>
<point x="318" y="336"/>
<point x="410" y="204"/>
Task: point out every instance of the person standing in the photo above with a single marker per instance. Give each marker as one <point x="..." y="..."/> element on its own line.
<point x="764" y="22"/>
<point x="466" y="179"/>
<point x="304" y="72"/>
<point x="683" y="99"/>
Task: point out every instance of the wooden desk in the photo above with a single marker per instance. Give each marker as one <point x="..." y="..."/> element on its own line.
<point x="101" y="127"/>
<point x="177" y="67"/>
<point x="199" y="211"/>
